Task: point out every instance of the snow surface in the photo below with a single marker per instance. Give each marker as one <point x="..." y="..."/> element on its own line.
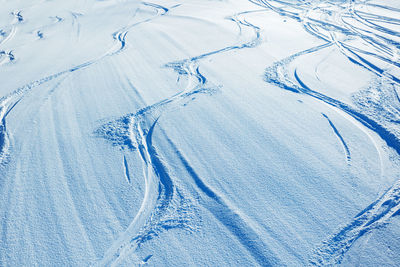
<point x="199" y="133"/>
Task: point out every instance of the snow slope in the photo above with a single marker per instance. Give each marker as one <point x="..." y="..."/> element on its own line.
<point x="199" y="133"/>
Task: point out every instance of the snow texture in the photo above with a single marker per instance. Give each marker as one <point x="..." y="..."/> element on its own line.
<point x="200" y="133"/>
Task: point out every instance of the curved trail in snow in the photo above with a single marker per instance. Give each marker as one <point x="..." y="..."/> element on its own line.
<point x="8" y="101"/>
<point x="162" y="197"/>
<point x="334" y="24"/>
<point x="337" y="133"/>
<point x="354" y="28"/>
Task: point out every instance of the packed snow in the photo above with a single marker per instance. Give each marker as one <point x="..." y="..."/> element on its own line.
<point x="200" y="133"/>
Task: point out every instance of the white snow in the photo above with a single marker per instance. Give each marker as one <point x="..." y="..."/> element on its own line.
<point x="199" y="133"/>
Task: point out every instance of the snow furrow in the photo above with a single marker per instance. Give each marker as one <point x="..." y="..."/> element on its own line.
<point x="4" y="142"/>
<point x="141" y="133"/>
<point x="135" y="132"/>
<point x="332" y="251"/>
<point x="373" y="217"/>
<point x="227" y="215"/>
<point x="337" y="133"/>
<point x="20" y="92"/>
<point x="121" y="34"/>
<point x="126" y="170"/>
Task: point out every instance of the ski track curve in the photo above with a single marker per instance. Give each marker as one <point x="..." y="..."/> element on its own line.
<point x="126" y="170"/>
<point x="340" y="137"/>
<point x="376" y="45"/>
<point x="8" y="101"/>
<point x="227" y="216"/>
<point x="135" y="132"/>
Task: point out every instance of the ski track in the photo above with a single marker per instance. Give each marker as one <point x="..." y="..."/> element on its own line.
<point x="337" y="133"/>
<point x="373" y="217"/>
<point x="14" y="97"/>
<point x="4" y="142"/>
<point x="376" y="45"/>
<point x="75" y="23"/>
<point x="230" y="219"/>
<point x="135" y="131"/>
<point x="126" y="170"/>
<point x="165" y="206"/>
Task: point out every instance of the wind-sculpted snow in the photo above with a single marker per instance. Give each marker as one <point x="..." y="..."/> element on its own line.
<point x="199" y="133"/>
